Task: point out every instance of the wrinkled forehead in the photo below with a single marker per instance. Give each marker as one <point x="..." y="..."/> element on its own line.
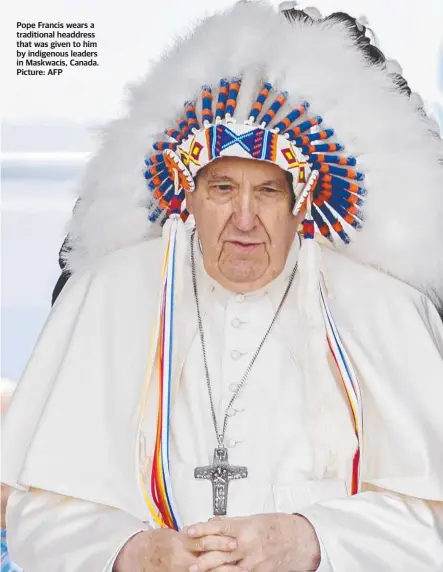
<point x="238" y="170"/>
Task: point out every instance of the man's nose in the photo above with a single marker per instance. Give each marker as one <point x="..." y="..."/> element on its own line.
<point x="245" y="210"/>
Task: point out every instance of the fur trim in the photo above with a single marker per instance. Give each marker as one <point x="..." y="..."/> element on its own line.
<point x="317" y="62"/>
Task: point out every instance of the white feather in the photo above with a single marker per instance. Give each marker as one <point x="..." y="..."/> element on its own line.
<point x="286" y="6"/>
<point x="314" y="61"/>
<point x="313" y="12"/>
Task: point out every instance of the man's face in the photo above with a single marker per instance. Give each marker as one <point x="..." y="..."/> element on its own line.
<point x="242" y="210"/>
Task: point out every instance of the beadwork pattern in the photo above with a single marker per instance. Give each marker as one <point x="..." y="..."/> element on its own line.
<point x="296" y="142"/>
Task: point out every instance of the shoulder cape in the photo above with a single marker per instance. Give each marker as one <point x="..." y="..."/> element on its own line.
<point x="72" y="426"/>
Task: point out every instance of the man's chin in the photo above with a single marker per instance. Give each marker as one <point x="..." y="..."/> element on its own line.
<point x="242" y="273"/>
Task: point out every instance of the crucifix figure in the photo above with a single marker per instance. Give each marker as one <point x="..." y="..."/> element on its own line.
<point x="220" y="473"/>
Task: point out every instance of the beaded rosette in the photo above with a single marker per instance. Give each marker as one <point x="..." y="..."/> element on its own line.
<point x="294" y="140"/>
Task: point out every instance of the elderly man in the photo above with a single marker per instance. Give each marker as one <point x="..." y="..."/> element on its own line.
<point x="245" y="392"/>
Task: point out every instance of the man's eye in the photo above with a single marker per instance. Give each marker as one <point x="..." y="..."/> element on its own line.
<point x="269" y="190"/>
<point x="222" y="188"/>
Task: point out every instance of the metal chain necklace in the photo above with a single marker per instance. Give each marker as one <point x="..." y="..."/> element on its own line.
<point x="220" y="472"/>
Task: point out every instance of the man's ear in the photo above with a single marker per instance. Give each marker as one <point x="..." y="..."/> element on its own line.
<point x="189" y="197"/>
<point x="301" y="215"/>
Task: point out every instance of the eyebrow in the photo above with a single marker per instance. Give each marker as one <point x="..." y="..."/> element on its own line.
<point x="273" y="183"/>
<point x="219" y="177"/>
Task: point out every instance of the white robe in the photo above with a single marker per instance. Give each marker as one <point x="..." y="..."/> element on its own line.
<point x="73" y="426"/>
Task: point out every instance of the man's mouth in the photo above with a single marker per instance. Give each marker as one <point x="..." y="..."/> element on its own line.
<point x="245" y="246"/>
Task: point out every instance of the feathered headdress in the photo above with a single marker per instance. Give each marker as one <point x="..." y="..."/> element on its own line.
<point x="292" y="140"/>
<point x="249" y="83"/>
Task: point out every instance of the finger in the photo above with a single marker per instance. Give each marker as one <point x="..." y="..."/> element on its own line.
<point x="214" y="559"/>
<point x="220" y="527"/>
<point x="229" y="568"/>
<point x="251" y="562"/>
<point x="205" y="543"/>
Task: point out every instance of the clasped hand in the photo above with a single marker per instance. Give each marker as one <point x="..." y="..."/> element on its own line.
<point x="259" y="543"/>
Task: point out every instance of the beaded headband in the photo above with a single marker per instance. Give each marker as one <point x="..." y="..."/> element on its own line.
<point x="322" y="172"/>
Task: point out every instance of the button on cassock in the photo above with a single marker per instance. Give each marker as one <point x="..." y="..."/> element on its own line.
<point x="238" y="404"/>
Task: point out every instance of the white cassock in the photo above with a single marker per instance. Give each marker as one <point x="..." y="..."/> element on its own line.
<point x="74" y="441"/>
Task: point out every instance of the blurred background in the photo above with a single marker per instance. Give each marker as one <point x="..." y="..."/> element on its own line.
<point x="49" y="123"/>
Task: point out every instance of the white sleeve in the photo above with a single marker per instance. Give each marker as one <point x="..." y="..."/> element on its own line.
<point x="325" y="563"/>
<point x="52" y="533"/>
<point x="380" y="531"/>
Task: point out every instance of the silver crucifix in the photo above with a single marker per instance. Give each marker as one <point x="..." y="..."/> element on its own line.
<point x="220" y="473"/>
